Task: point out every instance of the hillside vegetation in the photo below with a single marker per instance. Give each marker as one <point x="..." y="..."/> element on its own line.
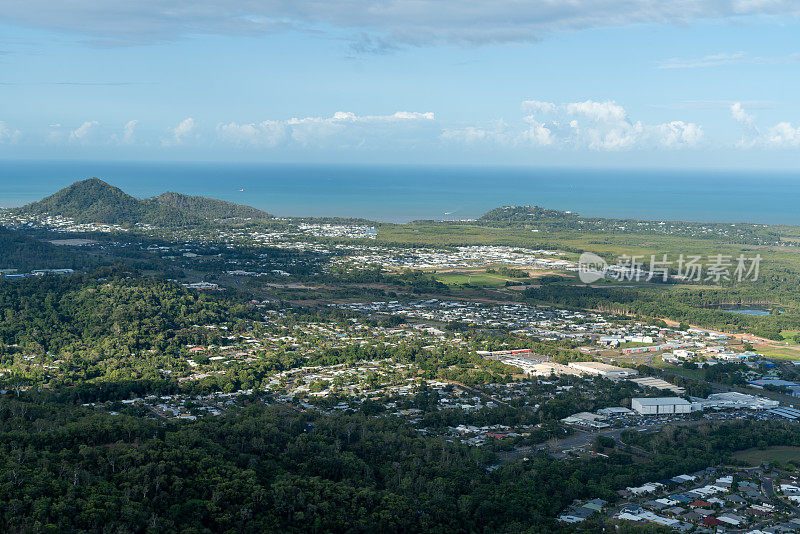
<point x="209" y="208"/>
<point x="95" y="201"/>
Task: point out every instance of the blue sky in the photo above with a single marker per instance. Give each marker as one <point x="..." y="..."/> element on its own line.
<point x="598" y="83"/>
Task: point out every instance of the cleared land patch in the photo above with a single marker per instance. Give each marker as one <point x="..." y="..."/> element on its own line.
<point x="756" y="457"/>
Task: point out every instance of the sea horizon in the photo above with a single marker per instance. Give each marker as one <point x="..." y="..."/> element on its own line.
<point x="401" y="193"/>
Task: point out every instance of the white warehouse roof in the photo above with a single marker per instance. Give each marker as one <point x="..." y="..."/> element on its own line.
<point x="661" y="401"/>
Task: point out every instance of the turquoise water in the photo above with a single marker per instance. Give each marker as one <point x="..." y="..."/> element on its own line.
<point x="403" y="193"/>
<point x="748" y="310"/>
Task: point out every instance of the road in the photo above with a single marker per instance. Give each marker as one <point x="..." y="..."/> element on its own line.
<point x="768" y="489"/>
<point x="584" y="439"/>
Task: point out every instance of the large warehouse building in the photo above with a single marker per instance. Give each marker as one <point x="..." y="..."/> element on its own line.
<point x="660" y="405"/>
<point x="603" y="369"/>
<point x="737" y="401"/>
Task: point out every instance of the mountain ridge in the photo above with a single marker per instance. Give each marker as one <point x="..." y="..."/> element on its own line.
<point x="95" y="201"/>
<point x="207" y="207"/>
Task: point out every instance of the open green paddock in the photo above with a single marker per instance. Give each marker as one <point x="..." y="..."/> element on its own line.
<point x="781" y="455"/>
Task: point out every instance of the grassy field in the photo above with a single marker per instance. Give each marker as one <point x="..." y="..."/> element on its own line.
<point x="789" y="336"/>
<point x="697" y="374"/>
<point x="756" y="457"/>
<point x="475" y="279"/>
<point x="789" y="353"/>
<point x="478" y="279"/>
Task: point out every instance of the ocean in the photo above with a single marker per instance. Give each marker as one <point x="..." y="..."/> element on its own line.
<point x="404" y="193"/>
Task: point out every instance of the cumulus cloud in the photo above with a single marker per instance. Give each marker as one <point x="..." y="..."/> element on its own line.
<point x="678" y="133"/>
<point x="603" y="126"/>
<point x="537" y="133"/>
<point x="128" y="132"/>
<point x="376" y="26"/>
<point x="343" y="128"/>
<point x="265" y="133"/>
<point x="8" y="134"/>
<point x="182" y="132"/>
<point x="781" y="135"/>
<point x="597" y="111"/>
<point x="741" y="116"/>
<point x="84" y="133"/>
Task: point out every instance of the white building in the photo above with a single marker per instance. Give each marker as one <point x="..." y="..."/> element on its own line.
<point x="586" y="419"/>
<point x="737" y="401"/>
<point x="650" y="487"/>
<point x="603" y="369"/>
<point x="660" y="405"/>
<point x="614" y="410"/>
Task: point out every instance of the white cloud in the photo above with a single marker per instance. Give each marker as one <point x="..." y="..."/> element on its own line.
<point x="712" y="60"/>
<point x="343" y="128"/>
<point x="538" y="134"/>
<point x="266" y="133"/>
<point x="8" y="134"/>
<point x="783" y="135"/>
<point x="597" y="111"/>
<point x="183" y="131"/>
<point x="496" y="133"/>
<point x="678" y="133"/>
<point x="602" y="126"/>
<point x="376" y="26"/>
<point x="537" y="106"/>
<point x="735" y="58"/>
<point x="741" y="116"/>
<point x="84" y="133"/>
<point x="409" y="115"/>
<point x="128" y="132"/>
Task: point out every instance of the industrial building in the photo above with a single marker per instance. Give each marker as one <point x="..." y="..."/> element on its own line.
<point x="650" y="382"/>
<point x="788" y="413"/>
<point x="533" y="368"/>
<point x="614" y="410"/>
<point x="792" y="387"/>
<point x="730" y="400"/>
<point x="586" y="419"/>
<point x="603" y="369"/>
<point x="660" y="405"/>
<point x="733" y="400"/>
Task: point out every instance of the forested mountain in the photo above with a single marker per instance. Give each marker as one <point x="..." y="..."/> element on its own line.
<point x="95" y="201"/>
<point x="209" y="208"/>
